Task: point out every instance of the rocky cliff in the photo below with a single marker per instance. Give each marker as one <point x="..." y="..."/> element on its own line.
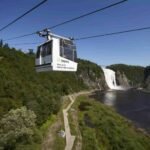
<point x="147" y="78"/>
<point x="122" y="80"/>
<point x="91" y="74"/>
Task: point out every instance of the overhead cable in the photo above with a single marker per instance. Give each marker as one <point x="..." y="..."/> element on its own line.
<point x="99" y="35"/>
<point x="112" y="33"/>
<point x="16" y="44"/>
<point x="87" y="14"/>
<point x="20" y="17"/>
<point x="71" y="20"/>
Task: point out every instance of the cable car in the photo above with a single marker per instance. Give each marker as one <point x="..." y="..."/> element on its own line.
<point x="56" y="54"/>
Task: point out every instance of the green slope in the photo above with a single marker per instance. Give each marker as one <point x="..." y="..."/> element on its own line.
<point x="20" y="85"/>
<point x="103" y="129"/>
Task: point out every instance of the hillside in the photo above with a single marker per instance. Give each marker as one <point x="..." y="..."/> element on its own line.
<point x="41" y="93"/>
<point x="102" y="128"/>
<point x="133" y="74"/>
<point x="20" y="83"/>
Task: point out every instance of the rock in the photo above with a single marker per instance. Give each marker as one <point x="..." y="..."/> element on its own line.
<point x="147" y="83"/>
<point x="95" y="83"/>
<point x="62" y="133"/>
<point x="122" y="79"/>
<point x="147" y="78"/>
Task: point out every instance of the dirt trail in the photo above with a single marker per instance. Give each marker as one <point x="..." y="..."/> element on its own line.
<point x="70" y="138"/>
<point x="48" y="142"/>
<point x="49" y="139"/>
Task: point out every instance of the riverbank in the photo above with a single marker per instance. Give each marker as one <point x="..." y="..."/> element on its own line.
<point x="145" y="90"/>
<point x="133" y="104"/>
<point x="102" y="128"/>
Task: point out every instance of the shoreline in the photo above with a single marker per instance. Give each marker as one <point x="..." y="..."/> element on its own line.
<point x="145" y="131"/>
<point x="145" y="91"/>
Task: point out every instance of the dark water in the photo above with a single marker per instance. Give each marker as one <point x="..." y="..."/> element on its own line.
<point x="133" y="104"/>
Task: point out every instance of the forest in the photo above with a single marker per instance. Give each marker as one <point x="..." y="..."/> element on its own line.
<point x="23" y="93"/>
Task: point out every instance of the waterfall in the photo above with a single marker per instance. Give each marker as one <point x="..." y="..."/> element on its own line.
<point x="110" y="78"/>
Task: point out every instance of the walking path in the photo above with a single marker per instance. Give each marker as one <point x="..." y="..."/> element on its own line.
<point x="70" y="138"/>
<point x="49" y="140"/>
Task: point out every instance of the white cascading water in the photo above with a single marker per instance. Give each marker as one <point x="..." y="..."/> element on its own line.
<point x="110" y="78"/>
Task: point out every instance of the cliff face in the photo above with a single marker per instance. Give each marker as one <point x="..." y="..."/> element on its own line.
<point x="147" y="83"/>
<point x="122" y="79"/>
<point x="147" y="78"/>
<point x="97" y="83"/>
<point x="91" y="74"/>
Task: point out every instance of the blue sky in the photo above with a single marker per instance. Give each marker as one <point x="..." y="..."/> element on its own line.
<point x="130" y="48"/>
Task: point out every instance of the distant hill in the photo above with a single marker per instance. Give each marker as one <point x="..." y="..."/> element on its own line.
<point x="134" y="74"/>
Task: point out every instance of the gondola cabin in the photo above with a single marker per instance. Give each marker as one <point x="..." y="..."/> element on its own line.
<point x="57" y="54"/>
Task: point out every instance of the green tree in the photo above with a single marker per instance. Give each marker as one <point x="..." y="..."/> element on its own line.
<point x="31" y="52"/>
<point x="6" y="45"/>
<point x="16" y="126"/>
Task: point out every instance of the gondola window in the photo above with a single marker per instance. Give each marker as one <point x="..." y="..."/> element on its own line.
<point x="68" y="50"/>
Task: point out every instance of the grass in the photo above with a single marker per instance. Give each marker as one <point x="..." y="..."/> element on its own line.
<point x="53" y="118"/>
<point x="47" y="124"/>
<point x="51" y="139"/>
<point x="29" y="147"/>
<point x="103" y="129"/>
<point x="66" y="102"/>
<point x="59" y="142"/>
<point x="74" y="126"/>
<point x="52" y="126"/>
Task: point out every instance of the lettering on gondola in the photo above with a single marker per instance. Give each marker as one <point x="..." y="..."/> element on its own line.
<point x="64" y="61"/>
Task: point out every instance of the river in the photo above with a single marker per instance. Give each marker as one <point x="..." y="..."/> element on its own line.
<point x="132" y="104"/>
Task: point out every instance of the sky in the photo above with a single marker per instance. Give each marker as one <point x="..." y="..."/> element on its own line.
<point x="129" y="48"/>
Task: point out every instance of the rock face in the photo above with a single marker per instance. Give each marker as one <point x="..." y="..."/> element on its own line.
<point x="147" y="78"/>
<point x="91" y="74"/>
<point x="147" y="83"/>
<point x="122" y="80"/>
<point x="92" y="81"/>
